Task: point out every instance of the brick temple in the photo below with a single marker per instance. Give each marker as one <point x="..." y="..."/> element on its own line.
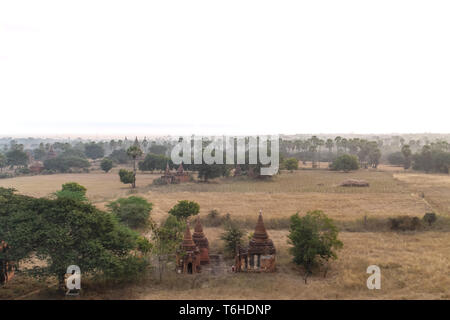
<point x="179" y="176"/>
<point x="259" y="256"/>
<point x="194" y="251"/>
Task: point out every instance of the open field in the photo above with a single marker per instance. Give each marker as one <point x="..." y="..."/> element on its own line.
<point x="434" y="187"/>
<point x="281" y="196"/>
<point x="100" y="185"/>
<point x="415" y="265"/>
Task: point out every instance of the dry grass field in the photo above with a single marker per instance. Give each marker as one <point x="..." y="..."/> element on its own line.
<point x="414" y="265"/>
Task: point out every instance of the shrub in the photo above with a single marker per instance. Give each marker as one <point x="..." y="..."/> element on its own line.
<point x="72" y="190"/>
<point x="291" y="164"/>
<point x="430" y="218"/>
<point x="213" y="219"/>
<point x="106" y="164"/>
<point x="132" y="211"/>
<point x="345" y="162"/>
<point x="232" y="237"/>
<point x="404" y="223"/>
<point x="184" y="209"/>
<point x="314" y="240"/>
<point x="396" y="159"/>
<point x="23" y="170"/>
<point x="126" y="176"/>
<point x="159" y="182"/>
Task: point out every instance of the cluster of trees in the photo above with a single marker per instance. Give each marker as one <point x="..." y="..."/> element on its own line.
<point x="316" y="150"/>
<point x="67" y="230"/>
<point x="313" y="239"/>
<point x="14" y="157"/>
<point x="434" y="157"/>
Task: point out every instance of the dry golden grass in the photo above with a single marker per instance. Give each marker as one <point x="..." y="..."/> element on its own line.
<point x="413" y="265"/>
<point x="434" y="187"/>
<point x="100" y="185"/>
<point x="279" y="205"/>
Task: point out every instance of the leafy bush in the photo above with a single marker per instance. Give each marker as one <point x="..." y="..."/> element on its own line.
<point x="126" y="176"/>
<point x="23" y="170"/>
<point x="345" y="162"/>
<point x="184" y="209"/>
<point x="290" y="164"/>
<point x="106" y="164"/>
<point x="404" y="223"/>
<point x="67" y="232"/>
<point x="314" y="240"/>
<point x="72" y="190"/>
<point x="430" y="218"/>
<point x="132" y="211"/>
<point x="159" y="182"/>
<point x="232" y="237"/>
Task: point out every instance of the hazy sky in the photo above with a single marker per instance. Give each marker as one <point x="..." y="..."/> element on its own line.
<point x="213" y="67"/>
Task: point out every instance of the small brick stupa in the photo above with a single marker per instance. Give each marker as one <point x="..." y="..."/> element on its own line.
<point x="202" y="242"/>
<point x="260" y="254"/>
<point x="188" y="258"/>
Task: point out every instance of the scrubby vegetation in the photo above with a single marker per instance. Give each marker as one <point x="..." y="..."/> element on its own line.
<point x="132" y="211"/>
<point x="345" y="163"/>
<point x="314" y="240"/>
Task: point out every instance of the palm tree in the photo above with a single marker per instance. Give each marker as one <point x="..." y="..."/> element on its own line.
<point x="134" y="152"/>
<point x="329" y="144"/>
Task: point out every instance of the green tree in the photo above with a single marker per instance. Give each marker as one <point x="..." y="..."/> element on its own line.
<point x="39" y="153"/>
<point x="127" y="177"/>
<point x="184" y="209"/>
<point x="134" y="152"/>
<point x="209" y="171"/>
<point x="132" y="211"/>
<point x="291" y="164"/>
<point x="106" y="164"/>
<point x="94" y="150"/>
<point x="63" y="232"/>
<point x="345" y="162"/>
<point x="167" y="239"/>
<point x="3" y="161"/>
<point x="154" y="162"/>
<point x="17" y="157"/>
<point x="396" y="159"/>
<point x="329" y="144"/>
<point x="72" y="190"/>
<point x="407" y="153"/>
<point x="314" y="240"/>
<point x="232" y="236"/>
